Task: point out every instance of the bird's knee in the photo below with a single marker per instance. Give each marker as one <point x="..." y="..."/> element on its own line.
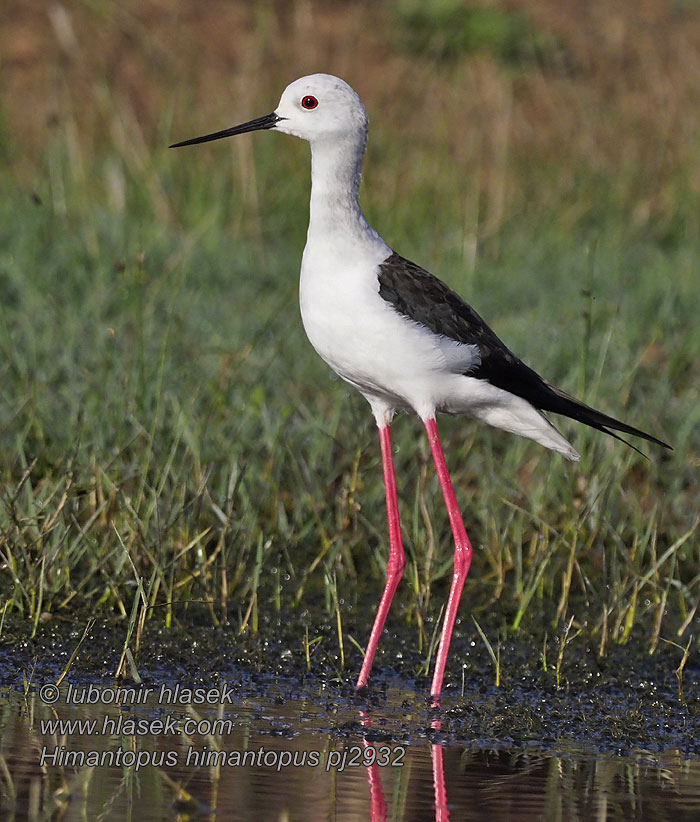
<point x="395" y="566"/>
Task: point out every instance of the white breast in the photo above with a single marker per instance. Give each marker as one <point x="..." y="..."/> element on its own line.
<point x="363" y="338"/>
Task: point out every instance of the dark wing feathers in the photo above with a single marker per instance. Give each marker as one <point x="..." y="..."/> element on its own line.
<point x="421" y="297"/>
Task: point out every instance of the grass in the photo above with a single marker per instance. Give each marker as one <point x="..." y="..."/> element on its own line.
<point x="168" y="436"/>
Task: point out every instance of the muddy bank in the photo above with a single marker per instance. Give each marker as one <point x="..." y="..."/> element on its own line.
<point x="628" y="701"/>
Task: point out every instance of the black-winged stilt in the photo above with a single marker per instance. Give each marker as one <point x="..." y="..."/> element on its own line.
<point x="398" y="334"/>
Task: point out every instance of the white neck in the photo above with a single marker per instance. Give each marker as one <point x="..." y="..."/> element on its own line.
<point x="335" y="185"/>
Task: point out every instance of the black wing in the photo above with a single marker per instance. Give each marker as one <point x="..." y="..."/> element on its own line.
<point x="419" y="296"/>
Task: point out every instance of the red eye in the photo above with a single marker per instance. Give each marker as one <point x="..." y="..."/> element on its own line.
<point x="309" y="102"/>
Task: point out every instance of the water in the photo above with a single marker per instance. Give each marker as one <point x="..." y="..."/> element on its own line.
<point x="285" y="752"/>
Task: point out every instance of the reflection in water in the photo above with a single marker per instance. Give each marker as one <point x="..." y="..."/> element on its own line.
<point x="377" y="803"/>
<point x="304" y="757"/>
<point x="441" y="812"/>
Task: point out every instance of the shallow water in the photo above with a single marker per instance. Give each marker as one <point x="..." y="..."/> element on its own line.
<point x="309" y="753"/>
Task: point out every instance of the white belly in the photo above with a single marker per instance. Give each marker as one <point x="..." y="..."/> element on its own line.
<point x="395" y="362"/>
<point x="367" y="342"/>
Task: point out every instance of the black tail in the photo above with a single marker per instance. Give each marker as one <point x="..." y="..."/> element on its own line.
<point x="513" y="375"/>
<point x="558" y="402"/>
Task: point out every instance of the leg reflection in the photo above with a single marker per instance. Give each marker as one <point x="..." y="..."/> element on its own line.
<point x="441" y="812"/>
<point x="377" y="803"/>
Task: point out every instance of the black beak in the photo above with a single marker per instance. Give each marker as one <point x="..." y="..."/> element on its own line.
<point x="268" y="121"/>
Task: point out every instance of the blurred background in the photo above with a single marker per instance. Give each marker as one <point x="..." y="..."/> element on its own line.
<point x="163" y="421"/>
<point x="576" y="108"/>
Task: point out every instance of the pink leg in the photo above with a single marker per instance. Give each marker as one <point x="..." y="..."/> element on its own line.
<point x="397" y="561"/>
<point x="462" y="561"/>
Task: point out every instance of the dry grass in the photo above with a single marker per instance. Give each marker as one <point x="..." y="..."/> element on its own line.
<point x="617" y="106"/>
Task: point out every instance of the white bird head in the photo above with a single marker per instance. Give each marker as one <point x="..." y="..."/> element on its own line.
<point x="317" y="108"/>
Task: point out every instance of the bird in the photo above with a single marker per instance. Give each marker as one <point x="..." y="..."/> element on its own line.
<point x="398" y="334"/>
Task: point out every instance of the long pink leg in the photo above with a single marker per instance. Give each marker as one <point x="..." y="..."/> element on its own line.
<point x="462" y="560"/>
<point x="397" y="561"/>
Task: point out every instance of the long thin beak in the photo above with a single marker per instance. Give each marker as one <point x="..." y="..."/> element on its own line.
<point x="268" y="121"/>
